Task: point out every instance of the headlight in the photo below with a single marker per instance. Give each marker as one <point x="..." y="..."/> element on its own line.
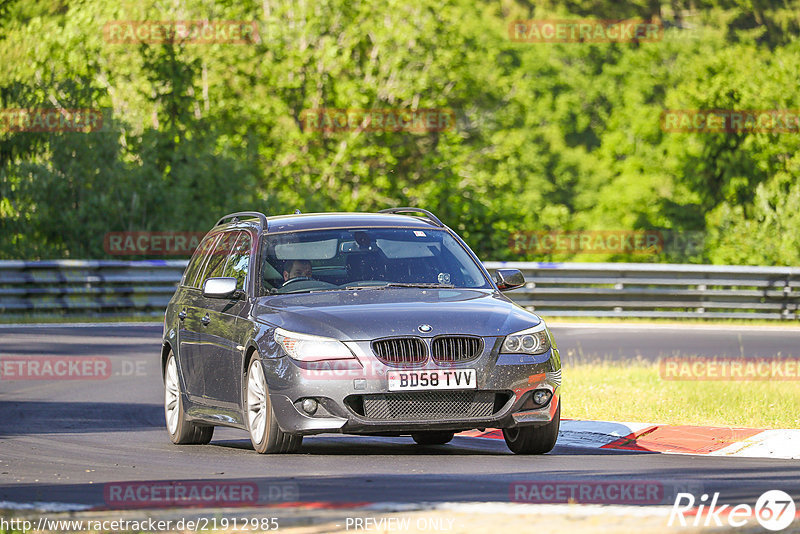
<point x="531" y="341"/>
<point x="307" y="348"/>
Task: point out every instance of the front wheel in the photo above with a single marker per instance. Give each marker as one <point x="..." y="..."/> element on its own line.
<point x="534" y="439"/>
<point x="265" y="434"/>
<point x="181" y="431"/>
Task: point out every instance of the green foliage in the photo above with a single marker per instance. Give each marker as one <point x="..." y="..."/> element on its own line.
<point x="547" y="137"/>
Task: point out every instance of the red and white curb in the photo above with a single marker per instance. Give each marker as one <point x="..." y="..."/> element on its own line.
<point x="674" y="439"/>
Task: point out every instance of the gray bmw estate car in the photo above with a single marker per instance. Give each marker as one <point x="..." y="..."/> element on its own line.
<point x="360" y="323"/>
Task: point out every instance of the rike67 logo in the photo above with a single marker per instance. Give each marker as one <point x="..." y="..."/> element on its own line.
<point x="774" y="510"/>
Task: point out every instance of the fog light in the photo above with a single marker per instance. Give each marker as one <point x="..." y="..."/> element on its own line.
<point x="310" y="406"/>
<point x="541" y="396"/>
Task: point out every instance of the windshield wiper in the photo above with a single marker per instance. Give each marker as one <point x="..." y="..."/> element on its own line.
<point x="346" y="288"/>
<point x="358" y="288"/>
<point x="434" y="286"/>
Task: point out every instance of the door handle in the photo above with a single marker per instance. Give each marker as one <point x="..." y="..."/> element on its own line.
<point x="205" y="320"/>
<point x="182" y="314"/>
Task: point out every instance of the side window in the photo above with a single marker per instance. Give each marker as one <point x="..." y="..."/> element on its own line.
<point x="219" y="256"/>
<point x="197" y="261"/>
<point x="239" y="260"/>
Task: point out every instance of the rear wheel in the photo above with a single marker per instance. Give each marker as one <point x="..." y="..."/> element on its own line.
<point x="432" y="438"/>
<point x="265" y="434"/>
<point x="534" y="439"/>
<point x="181" y="431"/>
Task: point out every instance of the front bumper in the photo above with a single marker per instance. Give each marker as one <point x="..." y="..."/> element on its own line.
<point x="339" y="387"/>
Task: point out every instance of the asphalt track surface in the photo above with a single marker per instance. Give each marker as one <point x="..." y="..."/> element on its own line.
<point x="62" y="441"/>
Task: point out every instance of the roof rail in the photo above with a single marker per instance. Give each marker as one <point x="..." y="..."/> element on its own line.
<point x="428" y="214"/>
<point x="262" y="219"/>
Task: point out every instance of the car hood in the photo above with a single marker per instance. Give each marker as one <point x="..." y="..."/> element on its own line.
<point x="367" y="314"/>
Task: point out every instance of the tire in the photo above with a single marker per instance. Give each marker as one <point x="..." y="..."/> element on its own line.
<point x="265" y="434"/>
<point x="181" y="431"/>
<point x="534" y="439"/>
<point x="432" y="438"/>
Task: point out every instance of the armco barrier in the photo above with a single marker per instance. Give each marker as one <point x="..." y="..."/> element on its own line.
<point x="143" y="288"/>
<point x="658" y="290"/>
<point x="95" y="288"/>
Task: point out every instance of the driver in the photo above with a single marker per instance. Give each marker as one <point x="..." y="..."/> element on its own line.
<point x="296" y="269"/>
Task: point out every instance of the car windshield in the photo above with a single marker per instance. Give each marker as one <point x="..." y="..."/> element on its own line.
<point x="366" y="258"/>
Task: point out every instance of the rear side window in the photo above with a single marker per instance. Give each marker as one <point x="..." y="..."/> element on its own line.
<point x="219" y="257"/>
<point x="239" y="260"/>
<point x="197" y="261"/>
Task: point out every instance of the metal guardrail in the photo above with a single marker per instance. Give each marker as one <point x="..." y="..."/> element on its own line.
<point x="143" y="288"/>
<point x="658" y="290"/>
<point x="94" y="288"/>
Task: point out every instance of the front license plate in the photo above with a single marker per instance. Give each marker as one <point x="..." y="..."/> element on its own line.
<point x="434" y="379"/>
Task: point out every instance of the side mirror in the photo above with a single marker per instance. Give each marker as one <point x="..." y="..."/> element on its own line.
<point x="508" y="279"/>
<point x="220" y="288"/>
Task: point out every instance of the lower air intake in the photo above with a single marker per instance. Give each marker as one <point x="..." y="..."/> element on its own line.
<point x="429" y="405"/>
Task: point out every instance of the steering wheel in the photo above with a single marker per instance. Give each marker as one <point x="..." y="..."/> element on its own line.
<point x="296" y="279"/>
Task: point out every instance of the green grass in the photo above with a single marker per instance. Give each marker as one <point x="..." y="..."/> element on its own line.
<point x="633" y="391"/>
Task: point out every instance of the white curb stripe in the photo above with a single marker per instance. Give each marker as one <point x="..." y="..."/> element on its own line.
<point x="767" y="444"/>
